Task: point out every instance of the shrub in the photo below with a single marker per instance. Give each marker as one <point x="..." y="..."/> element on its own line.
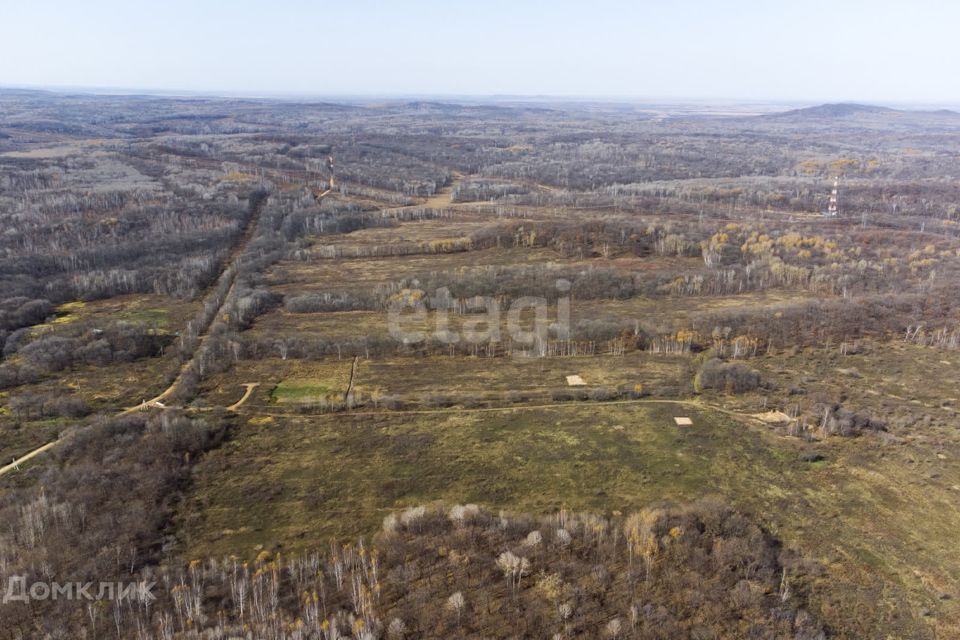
<point x="729" y="377"/>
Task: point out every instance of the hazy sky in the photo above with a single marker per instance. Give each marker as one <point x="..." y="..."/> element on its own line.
<point x="807" y="50"/>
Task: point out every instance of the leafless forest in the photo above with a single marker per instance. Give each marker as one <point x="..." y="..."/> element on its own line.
<point x="195" y="304"/>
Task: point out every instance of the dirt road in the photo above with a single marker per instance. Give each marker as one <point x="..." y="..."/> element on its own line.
<point x="692" y="404"/>
<point x="18" y="461"/>
<point x="246" y="395"/>
<point x="257" y="206"/>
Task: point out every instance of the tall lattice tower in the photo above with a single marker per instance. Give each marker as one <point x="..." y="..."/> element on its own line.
<point x="834" y="198"/>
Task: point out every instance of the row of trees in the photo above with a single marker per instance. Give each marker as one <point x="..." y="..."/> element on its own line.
<point x="738" y="258"/>
<point x="824" y="322"/>
<point x="737" y="333"/>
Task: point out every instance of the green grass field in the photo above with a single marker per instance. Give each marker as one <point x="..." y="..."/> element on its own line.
<point x="881" y="533"/>
<point x="299" y="391"/>
<point x="300" y="481"/>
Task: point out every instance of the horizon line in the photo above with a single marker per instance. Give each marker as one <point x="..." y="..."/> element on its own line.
<point x="100" y="90"/>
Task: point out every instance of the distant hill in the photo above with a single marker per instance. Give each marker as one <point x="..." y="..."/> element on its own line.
<point x="838" y="110"/>
<point x="841" y="110"/>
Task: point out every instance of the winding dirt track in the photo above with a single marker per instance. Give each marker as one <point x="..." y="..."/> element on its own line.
<point x="233" y="260"/>
<point x="18" y="461"/>
<point x="246" y="395"/>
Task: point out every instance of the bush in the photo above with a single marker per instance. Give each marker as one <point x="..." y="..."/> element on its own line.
<point x="603" y="394"/>
<point x="840" y="421"/>
<point x="729" y="377"/>
<point x="324" y="302"/>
